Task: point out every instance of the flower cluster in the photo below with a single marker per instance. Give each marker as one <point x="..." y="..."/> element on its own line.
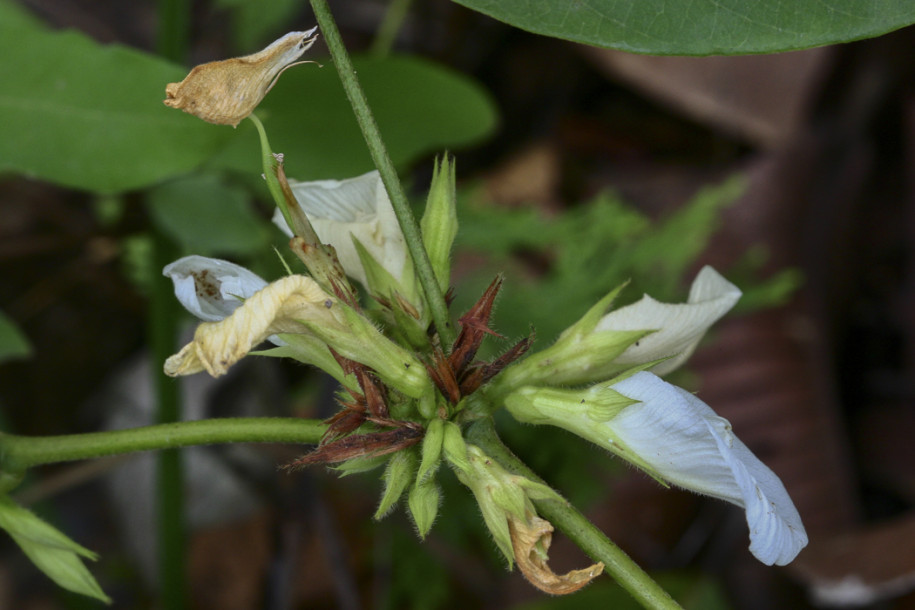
<point x="406" y="398"/>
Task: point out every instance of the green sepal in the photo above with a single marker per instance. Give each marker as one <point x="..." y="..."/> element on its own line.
<point x="587" y="412"/>
<point x="439" y="224"/>
<point x="312" y="351"/>
<point x="397" y="476"/>
<point x="358" y="465"/>
<point x="50" y="550"/>
<point x="423" y="503"/>
<point x="431" y="450"/>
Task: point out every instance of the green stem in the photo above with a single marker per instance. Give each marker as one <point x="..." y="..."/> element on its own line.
<point x="387" y="32"/>
<point x="576" y="526"/>
<point x="173" y="36"/>
<point x="163" y="316"/>
<point x="17" y="453"/>
<point x="377" y="150"/>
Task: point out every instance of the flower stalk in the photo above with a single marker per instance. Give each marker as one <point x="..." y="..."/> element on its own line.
<point x="382" y="160"/>
<point x="22" y="452"/>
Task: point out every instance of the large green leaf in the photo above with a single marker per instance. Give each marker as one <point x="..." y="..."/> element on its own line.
<point x="420" y="107"/>
<point x="91" y="116"/>
<point x="703" y="27"/>
<point x="207" y="216"/>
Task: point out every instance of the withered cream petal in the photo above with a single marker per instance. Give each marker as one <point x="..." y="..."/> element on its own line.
<point x="225" y="92"/>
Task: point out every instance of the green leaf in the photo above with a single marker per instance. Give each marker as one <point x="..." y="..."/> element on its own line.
<point x="254" y="22"/>
<point x="89" y="116"/>
<point x="50" y="550"/>
<point x="420" y="107"/>
<point x="13" y="343"/>
<point x="205" y="215"/>
<point x="702" y="27"/>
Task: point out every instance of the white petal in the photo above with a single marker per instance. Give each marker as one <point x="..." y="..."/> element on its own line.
<point x="680" y="437"/>
<point x="210" y="288"/>
<point x="340" y="210"/>
<point x="280" y="221"/>
<point x="679" y="326"/>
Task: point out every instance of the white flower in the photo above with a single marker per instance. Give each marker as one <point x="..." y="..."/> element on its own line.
<point x="601" y="345"/>
<point x="675" y="437"/>
<point x="308" y="319"/>
<point x="210" y="288"/>
<point x="679" y="327"/>
<point x="342" y="211"/>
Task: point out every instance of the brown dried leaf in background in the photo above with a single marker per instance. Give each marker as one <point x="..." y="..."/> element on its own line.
<point x="225" y="92"/>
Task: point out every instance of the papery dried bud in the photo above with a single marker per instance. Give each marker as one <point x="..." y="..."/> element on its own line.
<point x="225" y="92"/>
<point x="531" y="541"/>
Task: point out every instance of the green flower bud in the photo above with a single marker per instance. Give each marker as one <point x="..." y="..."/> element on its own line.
<point x="455" y="448"/>
<point x="423" y="504"/>
<point x="440" y="224"/>
<point x="50" y="550"/>
<point x="397" y="476"/>
<point x="432" y="450"/>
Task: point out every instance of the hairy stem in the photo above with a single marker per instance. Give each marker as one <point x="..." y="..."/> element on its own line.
<point x="379" y="153"/>
<point x="576" y="526"/>
<point x="17" y="453"/>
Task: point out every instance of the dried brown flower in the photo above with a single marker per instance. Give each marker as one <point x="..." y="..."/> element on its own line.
<point x="531" y="540"/>
<point x="225" y="92"/>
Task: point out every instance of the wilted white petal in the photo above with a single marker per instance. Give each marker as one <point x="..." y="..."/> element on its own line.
<point x="280" y="307"/>
<point x="210" y="288"/>
<point x="686" y="443"/>
<point x="679" y="327"/>
<point x="340" y="210"/>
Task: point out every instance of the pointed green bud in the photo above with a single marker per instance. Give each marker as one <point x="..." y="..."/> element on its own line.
<point x="397" y="476"/>
<point x="50" y="550"/>
<point x="455" y="448"/>
<point x="440" y="224"/>
<point x="502" y="496"/>
<point x="423" y="503"/>
<point x="432" y="449"/>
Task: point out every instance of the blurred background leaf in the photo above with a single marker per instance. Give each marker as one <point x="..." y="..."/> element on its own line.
<point x="703" y="27"/>
<point x="420" y="108"/>
<point x="182" y="208"/>
<point x="13" y="344"/>
<point x="89" y="116"/>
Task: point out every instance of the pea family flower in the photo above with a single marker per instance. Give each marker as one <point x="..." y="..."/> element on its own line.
<point x="308" y="318"/>
<point x="210" y="288"/>
<point x="648" y="332"/>
<point x="355" y="216"/>
<point x="676" y="438"/>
